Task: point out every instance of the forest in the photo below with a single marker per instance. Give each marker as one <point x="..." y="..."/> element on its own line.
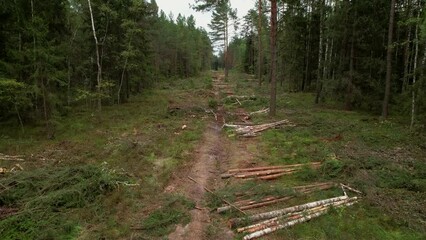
<point x="119" y="120"/>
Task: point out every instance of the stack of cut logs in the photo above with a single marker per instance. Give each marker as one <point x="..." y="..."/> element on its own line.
<point x="268" y="222"/>
<point x="245" y="204"/>
<point x="252" y="131"/>
<point x="267" y="173"/>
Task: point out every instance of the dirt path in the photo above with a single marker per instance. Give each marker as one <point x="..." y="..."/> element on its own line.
<point x="205" y="171"/>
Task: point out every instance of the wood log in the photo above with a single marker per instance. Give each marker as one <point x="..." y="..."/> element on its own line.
<point x="262" y="173"/>
<point x="265" y="203"/>
<point x="210" y="191"/>
<point x="350" y="189"/>
<point x="275" y="176"/>
<point x="254" y="169"/>
<point x="289" y="223"/>
<point x="261" y="216"/>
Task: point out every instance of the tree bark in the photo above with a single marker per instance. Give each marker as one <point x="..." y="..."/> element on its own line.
<point x="407" y="50"/>
<point x="416" y="54"/>
<point x="273" y="98"/>
<point x="320" y="53"/>
<point x="98" y="60"/>
<point x="259" y="33"/>
<point x="385" y="110"/>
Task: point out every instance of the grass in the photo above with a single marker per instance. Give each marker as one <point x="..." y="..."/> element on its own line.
<point x="47" y="195"/>
<point x="383" y="159"/>
<point x="61" y="192"/>
<point x="174" y="209"/>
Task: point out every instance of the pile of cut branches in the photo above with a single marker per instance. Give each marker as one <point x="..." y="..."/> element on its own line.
<point x="267" y="173"/>
<point x="251" y="203"/>
<point x="255" y="130"/>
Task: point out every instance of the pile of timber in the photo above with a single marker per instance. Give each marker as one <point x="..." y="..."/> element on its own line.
<point x="269" y="222"/>
<point x="267" y="173"/>
<point x="270" y="200"/>
<point x="253" y="131"/>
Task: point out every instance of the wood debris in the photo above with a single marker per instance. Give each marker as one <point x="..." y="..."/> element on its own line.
<point x="267" y="222"/>
<point x="268" y="172"/>
<point x="263" y="111"/>
<point x="5" y="157"/>
<point x="267" y="201"/>
<point x="252" y="131"/>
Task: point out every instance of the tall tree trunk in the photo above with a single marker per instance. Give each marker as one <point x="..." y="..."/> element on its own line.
<point x="273" y="99"/>
<point x="320" y="53"/>
<point x="123" y="72"/>
<point x="385" y="110"/>
<point x="349" y="89"/>
<point x="308" y="51"/>
<point x="226" y="49"/>
<point x="98" y="60"/>
<point x="260" y="50"/>
<point x="407" y="52"/>
<point x="416" y="54"/>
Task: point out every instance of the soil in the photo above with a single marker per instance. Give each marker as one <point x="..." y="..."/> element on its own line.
<point x="215" y="154"/>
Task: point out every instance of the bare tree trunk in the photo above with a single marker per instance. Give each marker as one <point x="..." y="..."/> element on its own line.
<point x="226" y="49"/>
<point x="385" y="110"/>
<point x="416" y="54"/>
<point x="98" y="61"/>
<point x="349" y="90"/>
<point x="123" y="72"/>
<point x="308" y="51"/>
<point x="260" y="57"/>
<point x="407" y="51"/>
<point x="273" y="99"/>
<point x="320" y="53"/>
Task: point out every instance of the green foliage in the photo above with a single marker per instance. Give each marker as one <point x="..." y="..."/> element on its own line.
<point x="213" y="103"/>
<point x="174" y="210"/>
<point x="45" y="197"/>
<point x="332" y="168"/>
<point x="13" y="96"/>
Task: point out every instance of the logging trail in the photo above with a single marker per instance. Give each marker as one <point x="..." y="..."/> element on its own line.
<point x="214" y="153"/>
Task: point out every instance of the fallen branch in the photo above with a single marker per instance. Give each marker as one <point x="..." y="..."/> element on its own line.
<point x="248" y="204"/>
<point x="5" y="157"/>
<point x="225" y="201"/>
<point x="350" y="189"/>
<point x="263" y="111"/>
<point x="247" y="131"/>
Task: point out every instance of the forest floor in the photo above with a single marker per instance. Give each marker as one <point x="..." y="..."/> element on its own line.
<point x="142" y="170"/>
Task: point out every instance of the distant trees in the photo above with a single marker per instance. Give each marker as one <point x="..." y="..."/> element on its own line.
<point x="339" y="51"/>
<point x="223" y="17"/>
<point x="71" y="52"/>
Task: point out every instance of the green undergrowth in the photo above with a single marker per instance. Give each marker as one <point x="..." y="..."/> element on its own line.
<point x="145" y="139"/>
<point x="174" y="210"/>
<point x="45" y="199"/>
<point x="383" y="159"/>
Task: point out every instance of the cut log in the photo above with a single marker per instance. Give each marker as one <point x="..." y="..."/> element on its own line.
<point x="265" y="203"/>
<point x="261" y="216"/>
<point x="275" y="176"/>
<point x="300" y="219"/>
<point x="262" y="173"/>
<point x="254" y="169"/>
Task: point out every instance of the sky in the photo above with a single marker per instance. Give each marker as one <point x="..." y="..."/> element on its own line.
<point x="202" y="19"/>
